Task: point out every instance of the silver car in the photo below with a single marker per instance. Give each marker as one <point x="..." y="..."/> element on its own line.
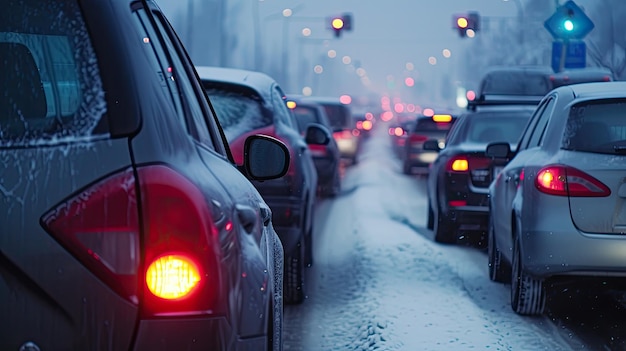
<point x="558" y="208"/>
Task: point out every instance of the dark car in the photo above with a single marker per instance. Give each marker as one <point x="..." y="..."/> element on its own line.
<point x="581" y="75"/>
<point x="459" y="178"/>
<point x="398" y="131"/>
<point x="532" y="82"/>
<point x="250" y="102"/>
<point x="557" y="208"/>
<point x="340" y="118"/>
<point x="416" y="159"/>
<point x="126" y="225"/>
<point x="327" y="158"/>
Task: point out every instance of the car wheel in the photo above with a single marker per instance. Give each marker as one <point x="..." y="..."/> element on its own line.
<point x="431" y="216"/>
<point x="294" y="276"/>
<point x="499" y="269"/>
<point x="308" y="257"/>
<point x="528" y="296"/>
<point x="445" y="231"/>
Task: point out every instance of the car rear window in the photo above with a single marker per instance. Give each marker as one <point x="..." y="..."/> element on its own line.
<point x="428" y="125"/>
<point x="50" y="88"/>
<point x="338" y="116"/>
<point x="305" y="116"/>
<point x="239" y="111"/>
<point x="487" y="128"/>
<point x="516" y="83"/>
<point x="596" y="126"/>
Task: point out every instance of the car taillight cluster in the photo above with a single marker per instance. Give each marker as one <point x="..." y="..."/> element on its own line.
<point x="417" y="139"/>
<point x="318" y="150"/>
<point x="161" y="252"/>
<point x="563" y="180"/>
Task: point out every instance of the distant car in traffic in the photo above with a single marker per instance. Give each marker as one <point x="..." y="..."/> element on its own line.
<point x="532" y="82"/>
<point x="327" y="158"/>
<point x="250" y="102"/>
<point x="416" y="159"/>
<point x="459" y="177"/>
<point x="340" y="118"/>
<point x="126" y="225"/>
<point x="557" y="208"/>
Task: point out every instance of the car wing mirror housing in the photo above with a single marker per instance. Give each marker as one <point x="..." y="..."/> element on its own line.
<point x="317" y="134"/>
<point x="265" y="157"/>
<point x="431" y="145"/>
<point x="498" y="150"/>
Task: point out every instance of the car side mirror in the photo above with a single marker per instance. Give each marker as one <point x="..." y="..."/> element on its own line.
<point x="265" y="157"/>
<point x="317" y="134"/>
<point x="431" y="145"/>
<point x="498" y="150"/>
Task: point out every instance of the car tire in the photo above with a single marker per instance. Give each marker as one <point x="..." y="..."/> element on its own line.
<point x="528" y="295"/>
<point x="294" y="276"/>
<point x="445" y="231"/>
<point x="499" y="269"/>
<point x="430" y="221"/>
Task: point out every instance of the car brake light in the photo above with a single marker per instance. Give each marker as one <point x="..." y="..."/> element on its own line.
<point x="568" y="181"/>
<point x="181" y="245"/>
<point x="463" y="163"/>
<point x="318" y="150"/>
<point x="442" y="118"/>
<point x="100" y="227"/>
<point x="172" y="276"/>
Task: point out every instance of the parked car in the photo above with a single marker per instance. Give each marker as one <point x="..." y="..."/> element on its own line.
<point x="126" y="225"/>
<point x="327" y="158"/>
<point x="416" y="159"/>
<point x="340" y="117"/>
<point x="459" y="177"/>
<point x="247" y="103"/>
<point x="557" y="206"/>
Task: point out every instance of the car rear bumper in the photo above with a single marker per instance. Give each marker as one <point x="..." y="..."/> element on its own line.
<point x="192" y="334"/>
<point x="573" y="253"/>
<point x="469" y="218"/>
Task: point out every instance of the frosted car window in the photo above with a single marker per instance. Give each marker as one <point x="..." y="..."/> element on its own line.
<point x="596" y="126"/>
<point x="238" y="112"/>
<point x="50" y="90"/>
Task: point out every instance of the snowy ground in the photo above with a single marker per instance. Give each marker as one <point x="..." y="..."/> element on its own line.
<point x="380" y="283"/>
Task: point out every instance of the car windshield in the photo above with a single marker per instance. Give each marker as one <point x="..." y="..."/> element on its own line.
<point x="239" y="111"/>
<point x="596" y="126"/>
<point x="50" y="87"/>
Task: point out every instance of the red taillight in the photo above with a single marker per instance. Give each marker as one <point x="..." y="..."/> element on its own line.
<point x="100" y="227"/>
<point x="318" y="150"/>
<point x="568" y="181"/>
<point x="182" y="255"/>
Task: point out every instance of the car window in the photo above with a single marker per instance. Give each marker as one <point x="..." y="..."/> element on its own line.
<point x="304" y="116"/>
<point x="528" y="131"/>
<point x="596" y="126"/>
<point x="239" y="111"/>
<point x="491" y="127"/>
<point x="51" y="89"/>
<point x="539" y="130"/>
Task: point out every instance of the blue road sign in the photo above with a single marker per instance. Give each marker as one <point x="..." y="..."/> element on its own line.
<point x="575" y="55"/>
<point x="569" y="22"/>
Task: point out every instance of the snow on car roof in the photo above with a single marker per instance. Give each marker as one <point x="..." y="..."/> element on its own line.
<point x="258" y="81"/>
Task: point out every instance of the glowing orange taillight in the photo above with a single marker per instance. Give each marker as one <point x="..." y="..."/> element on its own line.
<point x="172" y="277"/>
<point x="459" y="165"/>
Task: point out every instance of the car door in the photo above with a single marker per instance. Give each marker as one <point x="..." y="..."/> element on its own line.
<point x="509" y="180"/>
<point x="248" y="243"/>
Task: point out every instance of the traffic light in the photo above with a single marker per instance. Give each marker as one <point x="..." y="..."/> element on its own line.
<point x="467" y="24"/>
<point x="340" y="23"/>
<point x="569" y="22"/>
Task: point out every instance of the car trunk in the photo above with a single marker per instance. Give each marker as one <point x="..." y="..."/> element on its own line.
<point x="603" y="214"/>
<point x="50" y="272"/>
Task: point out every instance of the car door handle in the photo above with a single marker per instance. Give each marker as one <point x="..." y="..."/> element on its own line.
<point x="247" y="216"/>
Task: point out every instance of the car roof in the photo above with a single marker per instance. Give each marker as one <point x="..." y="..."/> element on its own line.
<point x="258" y="81"/>
<point x="597" y="90"/>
